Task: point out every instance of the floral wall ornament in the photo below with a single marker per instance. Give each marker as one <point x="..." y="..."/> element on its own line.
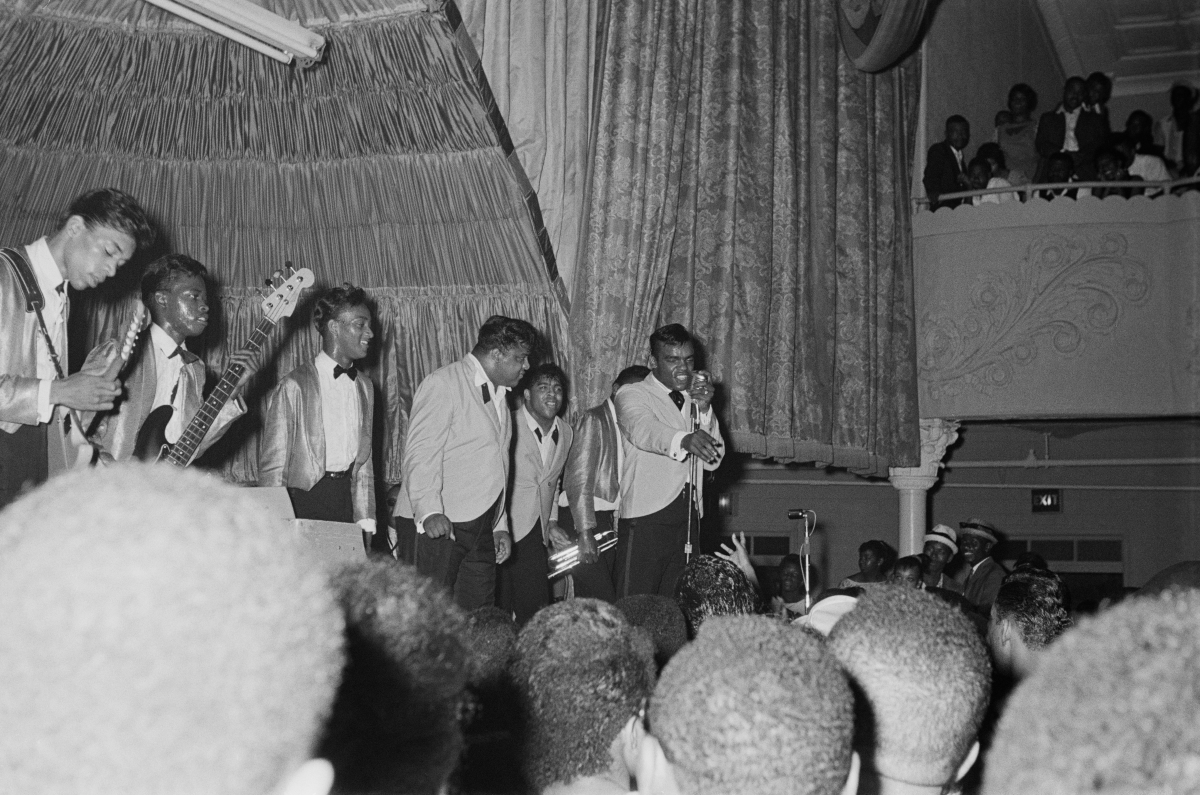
<point x="1065" y="291"/>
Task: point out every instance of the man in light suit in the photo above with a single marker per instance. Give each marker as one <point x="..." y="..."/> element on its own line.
<point x="451" y="520"/>
<point x="97" y="234"/>
<point x="592" y="491"/>
<point x="317" y="429"/>
<point x="984" y="575"/>
<point x="163" y="371"/>
<point x="541" y="442"/>
<point x="660" y="483"/>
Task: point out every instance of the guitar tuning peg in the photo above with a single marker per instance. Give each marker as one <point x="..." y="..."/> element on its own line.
<point x="288" y="265"/>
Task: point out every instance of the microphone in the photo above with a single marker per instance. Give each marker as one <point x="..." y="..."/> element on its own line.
<point x="797" y="513"/>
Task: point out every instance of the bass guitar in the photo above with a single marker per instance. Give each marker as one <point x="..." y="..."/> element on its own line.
<point x="151" y="443"/>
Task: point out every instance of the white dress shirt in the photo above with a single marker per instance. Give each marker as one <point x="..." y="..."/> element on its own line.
<point x="168" y="368"/>
<point x="545" y="439"/>
<point x="340" y="412"/>
<point x="496" y="393"/>
<point x="50" y="280"/>
<point x="1070" y="142"/>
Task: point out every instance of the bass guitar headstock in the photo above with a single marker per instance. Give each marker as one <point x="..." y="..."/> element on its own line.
<point x="282" y="302"/>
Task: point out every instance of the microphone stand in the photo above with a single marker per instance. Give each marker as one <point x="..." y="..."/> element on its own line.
<point x="693" y="479"/>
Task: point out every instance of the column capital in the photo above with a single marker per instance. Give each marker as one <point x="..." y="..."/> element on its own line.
<point x="936" y="435"/>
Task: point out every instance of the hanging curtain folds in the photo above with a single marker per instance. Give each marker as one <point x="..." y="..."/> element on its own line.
<point x="750" y="183"/>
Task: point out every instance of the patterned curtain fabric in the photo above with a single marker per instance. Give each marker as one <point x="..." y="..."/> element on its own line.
<point x="756" y="191"/>
<point x="385" y="166"/>
<point x="539" y="57"/>
<point x="879" y="33"/>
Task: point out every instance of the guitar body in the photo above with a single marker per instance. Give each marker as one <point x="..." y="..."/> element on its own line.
<point x="151" y="443"/>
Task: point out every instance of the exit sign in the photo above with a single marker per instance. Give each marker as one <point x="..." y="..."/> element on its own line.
<point x="1046" y="500"/>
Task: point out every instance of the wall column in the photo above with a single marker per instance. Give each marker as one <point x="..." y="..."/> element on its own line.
<point x="914" y="483"/>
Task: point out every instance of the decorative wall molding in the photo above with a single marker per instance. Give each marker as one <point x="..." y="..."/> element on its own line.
<point x="1066" y="291"/>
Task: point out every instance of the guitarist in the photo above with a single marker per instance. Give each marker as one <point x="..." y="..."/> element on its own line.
<point x="317" y="428"/>
<point x="164" y="372"/>
<point x="97" y="234"/>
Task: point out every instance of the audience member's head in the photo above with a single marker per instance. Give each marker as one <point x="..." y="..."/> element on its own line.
<point x="1031" y="559"/>
<point x="1111" y="707"/>
<point x="753" y="705"/>
<point x="585" y="675"/>
<point x="1074" y="93"/>
<point x="979" y="171"/>
<point x="1139" y="129"/>
<point x="710" y="586"/>
<point x="875" y="557"/>
<point x="1110" y="165"/>
<point x="1029" y="612"/>
<point x="976" y="537"/>
<point x="1059" y="167"/>
<point x="958" y="132"/>
<point x="941" y="544"/>
<point x="491" y="635"/>
<point x="908" y="572"/>
<point x="661" y="617"/>
<point x="791" y="578"/>
<point x="174" y="642"/>
<point x="1022" y="101"/>
<point x="1099" y="89"/>
<point x="922" y="680"/>
<point x="992" y="153"/>
<point x="394" y="726"/>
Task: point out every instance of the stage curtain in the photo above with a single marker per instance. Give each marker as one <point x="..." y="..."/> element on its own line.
<point x="751" y="184"/>
<point x="384" y="166"/>
<point x="539" y="57"/>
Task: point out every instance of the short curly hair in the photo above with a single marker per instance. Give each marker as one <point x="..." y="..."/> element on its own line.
<point x="1035" y="602"/>
<point x="1111" y="706"/>
<point x="755" y="706"/>
<point x="394" y="725"/>
<point x="710" y="586"/>
<point x="661" y="617"/>
<point x="582" y="672"/>
<point x="162" y="633"/>
<point x="922" y="678"/>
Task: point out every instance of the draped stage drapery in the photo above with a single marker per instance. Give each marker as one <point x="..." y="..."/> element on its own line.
<point x="386" y="166"/>
<point x="751" y="183"/>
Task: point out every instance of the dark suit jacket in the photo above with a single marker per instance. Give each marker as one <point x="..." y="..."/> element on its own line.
<point x="942" y="175"/>
<point x="292" y="448"/>
<point x="1091" y="131"/>
<point x="592" y="466"/>
<point x="983" y="584"/>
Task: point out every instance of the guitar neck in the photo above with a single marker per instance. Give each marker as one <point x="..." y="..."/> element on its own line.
<point x="189" y="441"/>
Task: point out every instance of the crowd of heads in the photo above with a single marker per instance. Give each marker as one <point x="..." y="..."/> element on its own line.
<point x="185" y="641"/>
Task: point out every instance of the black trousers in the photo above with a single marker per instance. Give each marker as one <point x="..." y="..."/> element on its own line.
<point x="466" y="565"/>
<point x="650" y="554"/>
<point x="23" y="461"/>
<point x="522" y="587"/>
<point x="594" y="580"/>
<point x="329" y="499"/>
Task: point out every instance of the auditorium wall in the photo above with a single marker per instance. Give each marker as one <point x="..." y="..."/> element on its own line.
<point x="975" y="51"/>
<point x="1153" y="510"/>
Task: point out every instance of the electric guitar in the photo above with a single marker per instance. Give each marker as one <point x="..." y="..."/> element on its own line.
<point x="78" y="449"/>
<point x="151" y="443"/>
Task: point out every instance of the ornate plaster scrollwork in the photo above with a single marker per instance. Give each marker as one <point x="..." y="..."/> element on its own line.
<point x="1065" y="291"/>
<point x="936" y="436"/>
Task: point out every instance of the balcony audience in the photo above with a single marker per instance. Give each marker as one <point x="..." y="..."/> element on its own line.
<point x="1059" y="169"/>
<point x="584" y="675"/>
<point x="979" y="177"/>
<point x="995" y="156"/>
<point x="921" y="677"/>
<point x="1017" y="137"/>
<point x="176" y="642"/>
<point x="752" y="705"/>
<point x="1148" y="167"/>
<point x="1096" y="95"/>
<point x="945" y="164"/>
<point x="1110" y="708"/>
<point x="1072" y="129"/>
<point x="1174" y="130"/>
<point x="1111" y="167"/>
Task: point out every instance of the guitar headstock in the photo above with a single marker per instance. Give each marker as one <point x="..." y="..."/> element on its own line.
<point x="137" y="324"/>
<point x="282" y="302"/>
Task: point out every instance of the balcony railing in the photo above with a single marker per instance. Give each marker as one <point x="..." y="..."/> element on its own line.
<point x="1054" y="308"/>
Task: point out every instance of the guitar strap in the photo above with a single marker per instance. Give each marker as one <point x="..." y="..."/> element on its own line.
<point x="34" y="300"/>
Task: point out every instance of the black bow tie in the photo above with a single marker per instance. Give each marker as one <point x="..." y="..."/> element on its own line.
<point x="351" y="372"/>
<point x="553" y="435"/>
<point x="177" y="352"/>
<point x="677" y="399"/>
<point x="487" y="396"/>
